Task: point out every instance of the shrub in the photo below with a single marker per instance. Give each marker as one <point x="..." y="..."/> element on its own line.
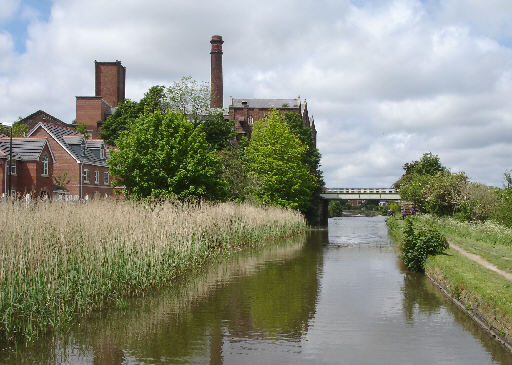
<point x="418" y="245"/>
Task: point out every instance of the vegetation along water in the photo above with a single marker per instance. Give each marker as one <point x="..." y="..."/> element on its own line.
<point x="63" y="260"/>
<point x="475" y="220"/>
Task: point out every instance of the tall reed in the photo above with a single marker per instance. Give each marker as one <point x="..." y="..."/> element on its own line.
<point x="60" y="260"/>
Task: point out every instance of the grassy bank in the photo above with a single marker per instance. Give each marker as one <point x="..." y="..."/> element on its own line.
<point x="63" y="260"/>
<point x="482" y="291"/>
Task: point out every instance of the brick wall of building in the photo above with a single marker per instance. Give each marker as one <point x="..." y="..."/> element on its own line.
<point x="64" y="163"/>
<point x="90" y="110"/>
<point x="245" y="117"/>
<point x="110" y="81"/>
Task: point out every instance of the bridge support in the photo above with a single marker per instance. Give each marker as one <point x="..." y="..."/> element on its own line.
<point x="323" y="212"/>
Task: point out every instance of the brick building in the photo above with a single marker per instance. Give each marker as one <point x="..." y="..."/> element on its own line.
<point x="83" y="161"/>
<point x="247" y="111"/>
<point x="31" y="167"/>
<point x="41" y="116"/>
<point x="109" y="92"/>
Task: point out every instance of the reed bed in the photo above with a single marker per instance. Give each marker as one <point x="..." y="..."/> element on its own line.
<point x="62" y="260"/>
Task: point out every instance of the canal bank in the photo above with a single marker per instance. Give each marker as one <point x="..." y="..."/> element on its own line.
<point x="340" y="296"/>
<point x="483" y="294"/>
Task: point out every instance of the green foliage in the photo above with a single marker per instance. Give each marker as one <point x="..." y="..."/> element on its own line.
<point x="503" y="212"/>
<point x="336" y="208"/>
<point x="239" y="184"/>
<point x="61" y="180"/>
<point x="417" y="245"/>
<point x="165" y="156"/>
<point x="311" y="158"/>
<point x="275" y="158"/>
<point x="477" y="204"/>
<point x="218" y="131"/>
<point x="82" y="128"/>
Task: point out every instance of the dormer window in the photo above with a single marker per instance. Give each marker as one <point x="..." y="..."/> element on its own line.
<point x="82" y="147"/>
<point x="102" y="152"/>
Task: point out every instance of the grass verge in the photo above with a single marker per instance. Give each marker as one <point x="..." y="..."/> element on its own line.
<point x="482" y="292"/>
<point x="62" y="260"/>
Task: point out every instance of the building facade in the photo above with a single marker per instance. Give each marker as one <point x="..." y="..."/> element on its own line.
<point x="79" y="162"/>
<point x="31" y="169"/>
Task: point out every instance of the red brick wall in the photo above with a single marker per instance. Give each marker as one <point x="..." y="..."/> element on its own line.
<point x="30" y="179"/>
<point x="110" y="81"/>
<point x="91" y="188"/>
<point x="241" y="117"/>
<point x="217" y="92"/>
<point x="63" y="163"/>
<point x="90" y="110"/>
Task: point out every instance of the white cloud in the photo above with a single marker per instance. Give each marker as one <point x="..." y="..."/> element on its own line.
<point x="386" y="81"/>
<point x="8" y="8"/>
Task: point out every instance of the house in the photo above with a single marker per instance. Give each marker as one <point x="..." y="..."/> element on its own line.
<point x="80" y="163"/>
<point x="31" y="168"/>
<point x="41" y="116"/>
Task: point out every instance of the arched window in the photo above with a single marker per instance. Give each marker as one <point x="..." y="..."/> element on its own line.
<point x="44" y="162"/>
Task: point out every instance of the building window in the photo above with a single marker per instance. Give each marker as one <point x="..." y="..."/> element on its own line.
<point x="96" y="177"/>
<point x="102" y="152"/>
<point x="13" y="193"/>
<point x="250" y="120"/>
<point x="44" y="162"/>
<point x="105" y="178"/>
<point x="86" y="175"/>
<point x="13" y="167"/>
<point x="82" y="147"/>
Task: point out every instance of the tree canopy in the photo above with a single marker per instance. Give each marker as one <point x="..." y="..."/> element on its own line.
<point x="275" y="158"/>
<point x="163" y="155"/>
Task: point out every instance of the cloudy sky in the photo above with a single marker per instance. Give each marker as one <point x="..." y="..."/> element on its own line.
<point x="385" y="80"/>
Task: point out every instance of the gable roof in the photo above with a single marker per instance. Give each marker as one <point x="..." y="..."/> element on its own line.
<point x="71" y="140"/>
<point x="25" y="149"/>
<point x="42" y="116"/>
<point x="266" y="103"/>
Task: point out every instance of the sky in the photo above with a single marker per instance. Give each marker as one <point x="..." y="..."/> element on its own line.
<point x="386" y="80"/>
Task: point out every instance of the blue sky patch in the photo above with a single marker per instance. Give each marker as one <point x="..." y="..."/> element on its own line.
<point x="28" y="11"/>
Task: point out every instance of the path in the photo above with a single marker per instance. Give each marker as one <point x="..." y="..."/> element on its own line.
<point x="481" y="261"/>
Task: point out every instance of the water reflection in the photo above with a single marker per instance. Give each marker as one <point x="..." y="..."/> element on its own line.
<point x="337" y="296"/>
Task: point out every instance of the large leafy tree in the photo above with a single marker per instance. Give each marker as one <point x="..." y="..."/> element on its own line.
<point x="163" y="155"/>
<point x="310" y="158"/>
<point x="185" y="96"/>
<point x="275" y="159"/>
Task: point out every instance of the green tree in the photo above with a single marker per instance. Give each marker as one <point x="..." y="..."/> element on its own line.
<point x="311" y="158"/>
<point x="82" y="128"/>
<point x="429" y="164"/>
<point x="128" y="111"/>
<point x="275" y="159"/>
<point x="162" y="155"/>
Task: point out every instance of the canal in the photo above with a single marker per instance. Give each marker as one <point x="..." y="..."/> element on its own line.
<point x="339" y="296"/>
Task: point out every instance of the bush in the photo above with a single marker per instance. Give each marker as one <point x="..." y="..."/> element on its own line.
<point x="418" y="245"/>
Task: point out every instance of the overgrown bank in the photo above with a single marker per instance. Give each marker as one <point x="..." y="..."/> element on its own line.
<point x="484" y="294"/>
<point x="63" y="260"/>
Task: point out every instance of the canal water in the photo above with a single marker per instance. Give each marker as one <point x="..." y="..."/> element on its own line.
<point x="339" y="296"/>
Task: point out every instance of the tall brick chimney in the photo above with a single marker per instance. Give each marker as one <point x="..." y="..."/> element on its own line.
<point x="217" y="92"/>
<point x="110" y="81"/>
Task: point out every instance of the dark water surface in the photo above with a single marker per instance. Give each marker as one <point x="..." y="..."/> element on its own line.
<point x="337" y="297"/>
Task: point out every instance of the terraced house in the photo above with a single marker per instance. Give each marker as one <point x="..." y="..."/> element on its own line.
<point x="80" y="163"/>
<point x="31" y="168"/>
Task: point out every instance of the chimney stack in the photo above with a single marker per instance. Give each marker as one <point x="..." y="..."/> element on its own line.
<point x="216" y="72"/>
<point x="110" y="81"/>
